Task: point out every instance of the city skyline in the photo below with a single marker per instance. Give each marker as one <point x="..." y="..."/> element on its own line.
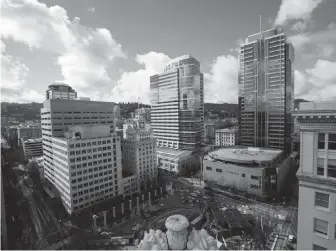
<point x="114" y="62"/>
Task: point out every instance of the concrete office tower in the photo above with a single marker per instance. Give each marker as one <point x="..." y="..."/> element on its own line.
<point x="317" y="176"/>
<point x="56" y="117"/>
<point x="32" y="148"/>
<point x="59" y="90"/>
<point x="266" y="90"/>
<point x="87" y="166"/>
<point x="139" y="152"/>
<point x="177" y="104"/>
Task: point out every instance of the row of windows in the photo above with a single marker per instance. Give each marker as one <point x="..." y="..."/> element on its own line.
<point x="91" y="170"/>
<point x="218" y="170"/>
<point x="331" y="144"/>
<point x="98" y="199"/>
<point x="80" y="186"/>
<point x="94" y="143"/>
<point x="331" y="168"/>
<point x="94" y="156"/>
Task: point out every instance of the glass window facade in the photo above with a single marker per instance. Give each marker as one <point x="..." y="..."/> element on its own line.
<point x="266" y="87"/>
<point x="177" y="99"/>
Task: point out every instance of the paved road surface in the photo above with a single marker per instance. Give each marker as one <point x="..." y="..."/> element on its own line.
<point x="45" y="224"/>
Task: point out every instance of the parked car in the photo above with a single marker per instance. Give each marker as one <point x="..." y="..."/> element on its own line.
<point x="291" y="238"/>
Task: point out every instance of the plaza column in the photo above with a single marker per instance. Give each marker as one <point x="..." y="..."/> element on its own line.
<point x="122" y="208"/>
<point x="130" y="205"/>
<point x="143" y="199"/>
<point x="113" y="212"/>
<point x="155" y="193"/>
<point x="161" y="191"/>
<point x="105" y="223"/>
<point x="94" y="217"/>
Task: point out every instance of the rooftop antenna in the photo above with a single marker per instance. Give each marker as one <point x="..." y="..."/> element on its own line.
<point x="260" y="26"/>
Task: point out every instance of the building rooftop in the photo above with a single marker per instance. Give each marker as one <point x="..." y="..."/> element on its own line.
<point x="317" y="106"/>
<point x="33" y="140"/>
<point x="244" y="154"/>
<point x="232" y="130"/>
<point x="173" y="152"/>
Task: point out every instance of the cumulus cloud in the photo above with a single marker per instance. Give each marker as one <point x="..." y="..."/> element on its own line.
<point x="221" y="83"/>
<point x="317" y="83"/>
<point x="83" y="53"/>
<point x="135" y="84"/>
<point x="13" y="78"/>
<point x="296" y="10"/>
<point x="321" y="43"/>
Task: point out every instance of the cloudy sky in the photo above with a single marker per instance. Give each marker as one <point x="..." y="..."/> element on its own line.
<point x="107" y="49"/>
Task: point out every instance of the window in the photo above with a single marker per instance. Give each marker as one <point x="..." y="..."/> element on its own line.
<point x="317" y="247"/>
<point x="321" y="200"/>
<point x="254" y="177"/>
<point x="320" y="226"/>
<point x="219" y="170"/>
<point x="243" y="174"/>
<point x="320" y="166"/>
<point x="321" y="140"/>
<point x="331" y="171"/>
<point x="332" y="141"/>
<point x="208" y="168"/>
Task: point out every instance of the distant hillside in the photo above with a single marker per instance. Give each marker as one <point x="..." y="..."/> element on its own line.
<point x="31" y="111"/>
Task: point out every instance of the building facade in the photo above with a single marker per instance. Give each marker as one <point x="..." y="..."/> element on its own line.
<point x="226" y="137"/>
<point x="117" y="114"/>
<point x="57" y="116"/>
<point x="317" y="176"/>
<point x="32" y="148"/>
<point x="177" y="104"/>
<point x="252" y="170"/>
<point x="265" y="90"/>
<point x="30" y="132"/>
<point x="177" y="162"/>
<point x="59" y="90"/>
<point x="139" y="152"/>
<point x="144" y="114"/>
<point x="209" y="132"/>
<point x="87" y="166"/>
<point x="131" y="184"/>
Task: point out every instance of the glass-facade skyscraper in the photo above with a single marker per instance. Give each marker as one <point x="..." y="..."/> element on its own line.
<point x="266" y="90"/>
<point x="177" y="99"/>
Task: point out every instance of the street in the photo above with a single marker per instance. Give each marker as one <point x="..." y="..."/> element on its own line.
<point x="45" y="223"/>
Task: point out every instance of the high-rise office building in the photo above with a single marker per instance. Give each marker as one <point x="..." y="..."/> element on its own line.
<point x="266" y="89"/>
<point x="86" y="166"/>
<point x="139" y="152"/>
<point x="317" y="176"/>
<point x="177" y="104"/>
